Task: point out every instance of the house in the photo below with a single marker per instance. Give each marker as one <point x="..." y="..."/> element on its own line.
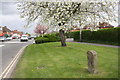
<point x="87" y="27"/>
<point x="104" y="25"/>
<point x="5" y="31"/>
<point x="17" y="33"/>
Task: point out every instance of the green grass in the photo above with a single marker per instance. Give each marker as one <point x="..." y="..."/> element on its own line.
<point x="50" y="60"/>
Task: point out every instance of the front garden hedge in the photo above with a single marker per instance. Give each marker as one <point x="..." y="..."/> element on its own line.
<point x="102" y="35"/>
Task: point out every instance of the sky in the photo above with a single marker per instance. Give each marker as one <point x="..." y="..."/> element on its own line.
<point x="10" y="17"/>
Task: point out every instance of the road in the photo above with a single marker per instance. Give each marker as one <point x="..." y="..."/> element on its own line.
<point x="9" y="49"/>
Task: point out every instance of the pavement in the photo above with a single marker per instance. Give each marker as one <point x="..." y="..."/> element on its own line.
<point x="9" y="50"/>
<point x="72" y="40"/>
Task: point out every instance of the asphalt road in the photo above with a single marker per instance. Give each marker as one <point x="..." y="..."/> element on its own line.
<point x="8" y="51"/>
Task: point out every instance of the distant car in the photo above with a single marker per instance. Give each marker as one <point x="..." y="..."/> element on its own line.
<point x="13" y="37"/>
<point x="24" y="38"/>
<point x="29" y="37"/>
<point x="2" y="38"/>
<point x="9" y="38"/>
<point x="33" y="36"/>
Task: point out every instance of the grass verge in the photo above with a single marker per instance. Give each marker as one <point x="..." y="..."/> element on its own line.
<point x="50" y="60"/>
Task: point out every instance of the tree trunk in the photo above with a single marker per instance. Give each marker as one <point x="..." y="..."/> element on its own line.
<point x="62" y="37"/>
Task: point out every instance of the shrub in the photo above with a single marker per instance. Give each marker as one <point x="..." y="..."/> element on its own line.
<point x="47" y="38"/>
<point x="39" y="40"/>
<point x="103" y="35"/>
<point x="52" y="37"/>
<point x="69" y="34"/>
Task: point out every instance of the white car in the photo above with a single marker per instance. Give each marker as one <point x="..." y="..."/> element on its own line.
<point x="2" y="38"/>
<point x="9" y="38"/>
<point x="24" y="38"/>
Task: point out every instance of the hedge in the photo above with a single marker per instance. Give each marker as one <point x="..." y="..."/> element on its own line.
<point x="39" y="40"/>
<point x="102" y="35"/>
<point x="52" y="37"/>
<point x="47" y="38"/>
<point x="69" y="34"/>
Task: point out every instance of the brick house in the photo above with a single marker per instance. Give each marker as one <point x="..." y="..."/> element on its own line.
<point x="17" y="32"/>
<point x="104" y="25"/>
<point x="4" y="30"/>
<point x="7" y="31"/>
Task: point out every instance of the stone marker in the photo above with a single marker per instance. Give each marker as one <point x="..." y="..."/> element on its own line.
<point x="92" y="61"/>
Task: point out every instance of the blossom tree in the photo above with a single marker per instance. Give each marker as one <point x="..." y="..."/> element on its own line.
<point x="61" y="13"/>
<point x="40" y="29"/>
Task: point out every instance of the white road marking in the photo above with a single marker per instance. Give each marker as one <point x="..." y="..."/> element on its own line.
<point x="12" y="63"/>
<point x="15" y="42"/>
<point x="2" y="45"/>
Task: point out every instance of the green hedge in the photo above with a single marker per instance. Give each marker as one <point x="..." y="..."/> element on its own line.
<point x="39" y="40"/>
<point x="69" y="34"/>
<point x="47" y="38"/>
<point x="102" y="35"/>
<point x="52" y="37"/>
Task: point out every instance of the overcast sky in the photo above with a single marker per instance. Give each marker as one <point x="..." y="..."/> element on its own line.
<point x="10" y="17"/>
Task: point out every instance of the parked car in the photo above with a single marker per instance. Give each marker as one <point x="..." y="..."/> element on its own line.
<point x="13" y="37"/>
<point x="9" y="38"/>
<point x="24" y="38"/>
<point x="2" y="38"/>
<point x="33" y="36"/>
<point x="29" y="37"/>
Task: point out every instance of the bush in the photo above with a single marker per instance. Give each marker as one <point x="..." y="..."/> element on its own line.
<point x="39" y="40"/>
<point x="47" y="38"/>
<point x="69" y="34"/>
<point x="52" y="37"/>
<point x="102" y="35"/>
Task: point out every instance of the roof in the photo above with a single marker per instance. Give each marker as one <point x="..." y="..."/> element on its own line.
<point x="74" y="30"/>
<point x="5" y="29"/>
<point x="18" y="32"/>
<point x="105" y="25"/>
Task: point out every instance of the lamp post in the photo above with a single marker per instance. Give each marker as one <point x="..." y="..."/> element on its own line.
<point x="80" y="31"/>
